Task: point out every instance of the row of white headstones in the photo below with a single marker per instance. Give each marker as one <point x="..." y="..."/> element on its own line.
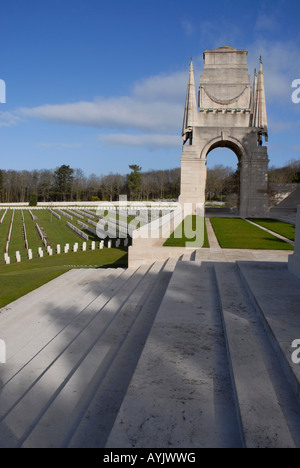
<point x="66" y="249"/>
<point x="113" y="226"/>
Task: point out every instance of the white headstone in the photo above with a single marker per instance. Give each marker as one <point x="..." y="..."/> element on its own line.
<point x="58" y="249"/>
<point x="66" y="248"/>
<point x="84" y="246"/>
<point x="109" y="244"/>
<point x="93" y="245"/>
<point x="2" y="352"/>
<point x="7" y="260"/>
<point x="29" y="254"/>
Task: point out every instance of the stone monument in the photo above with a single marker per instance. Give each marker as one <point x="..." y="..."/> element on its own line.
<point x="229" y="114"/>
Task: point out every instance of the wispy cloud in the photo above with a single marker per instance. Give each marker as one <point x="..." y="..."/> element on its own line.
<point x="266" y="22"/>
<point x="126" y="113"/>
<point x="281" y="63"/>
<point x="155" y="105"/>
<point x="188" y="27"/>
<point x="9" y="119"/>
<point x="152" y="141"/>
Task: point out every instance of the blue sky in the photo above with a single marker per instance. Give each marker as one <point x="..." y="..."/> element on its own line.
<point x="101" y="84"/>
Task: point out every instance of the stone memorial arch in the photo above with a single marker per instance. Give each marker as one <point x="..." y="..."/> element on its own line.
<point x="229" y="114"/>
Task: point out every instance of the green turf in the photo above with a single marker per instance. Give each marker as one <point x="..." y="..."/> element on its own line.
<point x="284" y="229"/>
<point x="180" y="237"/>
<point x="19" y="279"/>
<point x="34" y="240"/>
<point x="236" y="233"/>
<point x="56" y="229"/>
<point x="4" y="228"/>
<point x="17" y="240"/>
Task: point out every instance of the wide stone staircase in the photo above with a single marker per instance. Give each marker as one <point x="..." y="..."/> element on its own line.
<point x="182" y="353"/>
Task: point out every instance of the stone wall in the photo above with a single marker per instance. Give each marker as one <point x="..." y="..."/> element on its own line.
<point x="294" y="260"/>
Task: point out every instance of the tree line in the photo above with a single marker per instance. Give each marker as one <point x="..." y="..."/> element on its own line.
<point x="67" y="184"/>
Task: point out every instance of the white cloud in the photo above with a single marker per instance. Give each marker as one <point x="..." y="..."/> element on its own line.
<point x="188" y="27"/>
<point x="154" y="105"/>
<point x="266" y="22"/>
<point x="8" y="119"/>
<point x="152" y="141"/>
<point x="163" y="88"/>
<point x="281" y="64"/>
<point x="116" y="113"/>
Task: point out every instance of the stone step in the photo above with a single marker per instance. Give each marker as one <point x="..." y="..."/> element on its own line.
<point x="41" y="404"/>
<point x="278" y="307"/>
<point x="55" y="426"/>
<point x="253" y="370"/>
<point x="57" y="288"/>
<point x="180" y="394"/>
<point x="38" y="335"/>
<point x="29" y="392"/>
<point x="98" y="419"/>
<point x="188" y="255"/>
<point x="20" y="325"/>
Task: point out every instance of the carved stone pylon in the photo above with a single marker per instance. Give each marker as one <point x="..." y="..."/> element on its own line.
<point x="229" y="114"/>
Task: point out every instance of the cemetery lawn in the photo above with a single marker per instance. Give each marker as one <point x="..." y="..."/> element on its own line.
<point x="236" y="233"/>
<point x="179" y="237"/>
<point x="284" y="229"/>
<point x="21" y="278"/>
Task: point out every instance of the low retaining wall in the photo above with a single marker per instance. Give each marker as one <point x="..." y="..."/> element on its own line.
<point x="147" y="241"/>
<point x="294" y="260"/>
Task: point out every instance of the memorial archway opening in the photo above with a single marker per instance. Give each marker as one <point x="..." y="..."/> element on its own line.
<point x="222" y="179"/>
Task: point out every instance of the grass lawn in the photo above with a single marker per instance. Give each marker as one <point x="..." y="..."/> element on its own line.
<point x="19" y="279"/>
<point x="284" y="229"/>
<point x="179" y="237"/>
<point x="236" y="233"/>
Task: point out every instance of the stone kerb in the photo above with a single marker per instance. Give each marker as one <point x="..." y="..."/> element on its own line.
<point x="156" y="232"/>
<point x="294" y="260"/>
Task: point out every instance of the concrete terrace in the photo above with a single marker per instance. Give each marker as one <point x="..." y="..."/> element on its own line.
<point x="188" y="352"/>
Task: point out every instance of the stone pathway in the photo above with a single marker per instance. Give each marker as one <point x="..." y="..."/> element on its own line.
<point x="212" y="239"/>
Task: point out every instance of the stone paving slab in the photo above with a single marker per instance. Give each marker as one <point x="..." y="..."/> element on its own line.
<point x="180" y="393"/>
<point x="262" y="421"/>
<point x="276" y="293"/>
